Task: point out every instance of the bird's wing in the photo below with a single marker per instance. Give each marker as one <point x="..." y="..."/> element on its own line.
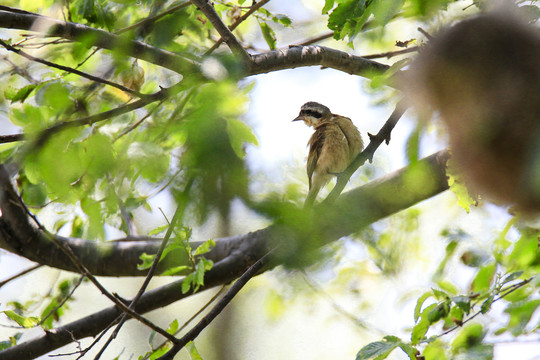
<point x="315" y="143"/>
<point x="351" y="133"/>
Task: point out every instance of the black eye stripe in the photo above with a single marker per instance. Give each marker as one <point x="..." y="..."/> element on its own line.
<point x="313" y="113"/>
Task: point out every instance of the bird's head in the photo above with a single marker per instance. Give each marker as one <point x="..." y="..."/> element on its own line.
<point x="313" y="113"/>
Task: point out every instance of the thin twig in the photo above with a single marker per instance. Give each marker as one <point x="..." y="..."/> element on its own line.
<point x="85" y="272"/>
<point x="177" y="217"/>
<point x="154" y="18"/>
<point x="18" y="275"/>
<point x="64" y="300"/>
<point x="216" y="310"/>
<point x="511" y="289"/>
<point x="208" y="10"/>
<point x="316" y="39"/>
<point x="238" y="21"/>
<point x="71" y="70"/>
<point x="208" y="303"/>
<point x="390" y="54"/>
<point x="367" y="154"/>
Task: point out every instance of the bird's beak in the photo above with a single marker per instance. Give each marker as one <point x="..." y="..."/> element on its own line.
<point x="300" y="117"/>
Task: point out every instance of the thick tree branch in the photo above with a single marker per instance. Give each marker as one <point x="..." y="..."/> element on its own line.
<point x="119" y="258"/>
<point x="298" y="56"/>
<point x="352" y="211"/>
<point x="293" y="57"/>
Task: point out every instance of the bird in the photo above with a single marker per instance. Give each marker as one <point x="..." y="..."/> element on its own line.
<point x="332" y="147"/>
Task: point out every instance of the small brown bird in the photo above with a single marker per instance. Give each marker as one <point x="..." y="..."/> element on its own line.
<point x="332" y="147"/>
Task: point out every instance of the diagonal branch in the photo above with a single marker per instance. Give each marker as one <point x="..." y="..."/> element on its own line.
<point x="367" y="154"/>
<point x="238" y="21"/>
<point x="217" y="309"/>
<point x="208" y="10"/>
<point x="70" y="70"/>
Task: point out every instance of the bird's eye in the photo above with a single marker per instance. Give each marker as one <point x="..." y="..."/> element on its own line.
<point x="313" y="113"/>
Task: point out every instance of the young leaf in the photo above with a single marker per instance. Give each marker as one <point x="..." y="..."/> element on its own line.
<point x="204" y="247"/>
<point x="379" y="349"/>
<point x="239" y="134"/>
<point x="24" y="321"/>
<point x="193" y="351"/>
<point x="268" y="34"/>
<point x="19" y="94"/>
<point x="419" y="303"/>
<point x="484" y="278"/>
<point x="173" y="327"/>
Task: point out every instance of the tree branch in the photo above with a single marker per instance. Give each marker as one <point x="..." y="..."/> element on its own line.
<point x="102" y="39"/>
<point x="238" y="21"/>
<point x="352" y="211"/>
<point x="208" y="10"/>
<point x="367" y="154"/>
<point x="120" y="258"/>
<point x="298" y="56"/>
<point x="71" y="70"/>
<point x="216" y="310"/>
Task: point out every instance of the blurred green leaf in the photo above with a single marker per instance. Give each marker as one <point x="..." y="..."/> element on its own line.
<point x="240" y="134"/>
<point x="484" y="278"/>
<point x="520" y="315"/>
<point x="268" y="34"/>
<point x="377" y="349"/>
<point x="19" y="94"/>
<point x="193" y="352"/>
<point x="24" y="321"/>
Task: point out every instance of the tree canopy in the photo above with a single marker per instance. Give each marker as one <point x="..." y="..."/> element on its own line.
<point x="107" y="106"/>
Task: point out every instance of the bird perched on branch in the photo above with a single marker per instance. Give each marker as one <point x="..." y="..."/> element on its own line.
<point x="332" y="147"/>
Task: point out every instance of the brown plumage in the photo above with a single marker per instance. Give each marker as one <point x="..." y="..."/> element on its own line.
<point x="332" y="147"/>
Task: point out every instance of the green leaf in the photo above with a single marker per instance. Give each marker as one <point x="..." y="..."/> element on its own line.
<point x="55" y="95"/>
<point x="409" y="350"/>
<point x="525" y="250"/>
<point x="147" y="261"/>
<point x="328" y="5"/>
<point x="282" y="19"/>
<point x="438" y="312"/>
<point x="484" y="278"/>
<point x="469" y="337"/>
<point x="420" y="329"/>
<point x="158" y="230"/>
<point x="186" y="283"/>
<point x="239" y="134"/>
<point x="511" y="277"/>
<point x="463" y="302"/>
<point x="434" y="351"/>
<point x="486" y="305"/>
<point x="520" y="315"/>
<point x="413" y="146"/>
<point x="268" y="34"/>
<point x="11" y="342"/>
<point x="24" y="321"/>
<point x="173" y="327"/>
<point x="175" y="270"/>
<point x="193" y="351"/>
<point x="204" y="247"/>
<point x="19" y="94"/>
<point x="419" y="303"/>
<point x="379" y="349"/>
<point x="152" y="162"/>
